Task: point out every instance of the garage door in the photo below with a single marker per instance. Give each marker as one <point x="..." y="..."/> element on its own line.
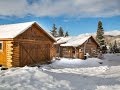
<point x="34" y="53"/>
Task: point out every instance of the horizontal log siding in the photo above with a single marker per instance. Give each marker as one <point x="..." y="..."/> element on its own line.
<point x="9" y="52"/>
<point x="16" y="54"/>
<point x="3" y="54"/>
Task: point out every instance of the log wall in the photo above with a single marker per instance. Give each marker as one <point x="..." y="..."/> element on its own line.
<point x="3" y="54"/>
<point x="36" y="43"/>
<point x="90" y="46"/>
<point x="16" y="54"/>
<point x="9" y="52"/>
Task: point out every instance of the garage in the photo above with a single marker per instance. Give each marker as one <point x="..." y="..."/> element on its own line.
<point x="25" y="44"/>
<point x="34" y="53"/>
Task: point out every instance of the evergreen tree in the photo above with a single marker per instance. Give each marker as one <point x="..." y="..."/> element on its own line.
<point x="61" y="33"/>
<point x="110" y="48"/>
<point x="115" y="48"/>
<point x="66" y="34"/>
<point x="54" y="31"/>
<point x="100" y="37"/>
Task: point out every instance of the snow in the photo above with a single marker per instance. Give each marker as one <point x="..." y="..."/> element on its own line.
<point x="113" y="32"/>
<point x="12" y="30"/>
<point x="95" y="78"/>
<point x="76" y="41"/>
<point x="62" y="39"/>
<point x="112" y="59"/>
<point x="72" y="40"/>
<point x="65" y="74"/>
<point x="30" y="78"/>
<point x="69" y="62"/>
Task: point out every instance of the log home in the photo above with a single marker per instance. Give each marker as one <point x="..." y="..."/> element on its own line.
<point x="24" y="44"/>
<point x="77" y="47"/>
<point x="59" y="41"/>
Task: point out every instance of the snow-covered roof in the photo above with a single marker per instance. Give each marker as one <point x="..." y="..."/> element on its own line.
<point x="12" y="30"/>
<point x="76" y="41"/>
<point x="61" y="40"/>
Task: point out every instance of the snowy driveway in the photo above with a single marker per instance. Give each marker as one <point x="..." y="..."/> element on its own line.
<point x="65" y="75"/>
<point x="96" y="78"/>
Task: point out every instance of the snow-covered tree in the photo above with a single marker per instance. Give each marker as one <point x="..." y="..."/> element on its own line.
<point x="66" y="34"/>
<point x="110" y="48"/>
<point x="61" y="32"/>
<point x="54" y="31"/>
<point x="115" y="48"/>
<point x="100" y="37"/>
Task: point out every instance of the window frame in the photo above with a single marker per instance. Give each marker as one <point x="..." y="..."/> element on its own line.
<point x="89" y="41"/>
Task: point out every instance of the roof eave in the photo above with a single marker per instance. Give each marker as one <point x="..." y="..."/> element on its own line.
<point x="6" y="39"/>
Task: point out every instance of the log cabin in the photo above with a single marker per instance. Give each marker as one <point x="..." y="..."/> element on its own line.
<point x="25" y="44"/>
<point x="59" y="41"/>
<point x="77" y="47"/>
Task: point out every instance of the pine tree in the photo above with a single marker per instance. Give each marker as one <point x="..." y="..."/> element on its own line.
<point x="54" y="31"/>
<point x="111" y="48"/>
<point x="66" y="34"/>
<point x="61" y="33"/>
<point x="100" y="37"/>
<point x="115" y="48"/>
<point x="100" y="33"/>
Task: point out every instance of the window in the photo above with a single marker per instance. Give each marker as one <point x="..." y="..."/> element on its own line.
<point x="73" y="51"/>
<point x="89" y="40"/>
<point x="80" y="50"/>
<point x="66" y="51"/>
<point x="1" y="46"/>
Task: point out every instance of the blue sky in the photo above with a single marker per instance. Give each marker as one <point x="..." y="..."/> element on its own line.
<point x="75" y="16"/>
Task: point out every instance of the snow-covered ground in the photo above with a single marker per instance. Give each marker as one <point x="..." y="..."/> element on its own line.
<point x="73" y="63"/>
<point x="65" y="74"/>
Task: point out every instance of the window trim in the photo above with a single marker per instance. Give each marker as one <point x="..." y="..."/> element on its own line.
<point x="89" y="40"/>
<point x="81" y="49"/>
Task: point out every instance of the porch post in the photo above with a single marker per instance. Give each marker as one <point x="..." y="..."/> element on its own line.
<point x="59" y="52"/>
<point x="75" y="52"/>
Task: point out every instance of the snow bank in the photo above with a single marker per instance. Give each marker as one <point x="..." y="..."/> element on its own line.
<point x="49" y="78"/>
<point x="91" y="78"/>
<point x="67" y="62"/>
<point x="115" y="87"/>
<point x="91" y="71"/>
<point x="30" y="78"/>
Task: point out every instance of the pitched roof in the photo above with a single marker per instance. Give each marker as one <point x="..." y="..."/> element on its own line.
<point x="76" y="41"/>
<point x="12" y="30"/>
<point x="61" y="40"/>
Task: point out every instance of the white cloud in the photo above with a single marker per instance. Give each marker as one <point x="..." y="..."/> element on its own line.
<point x="13" y="7"/>
<point x="70" y="8"/>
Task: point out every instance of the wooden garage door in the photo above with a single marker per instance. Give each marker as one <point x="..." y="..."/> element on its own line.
<point x="34" y="53"/>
